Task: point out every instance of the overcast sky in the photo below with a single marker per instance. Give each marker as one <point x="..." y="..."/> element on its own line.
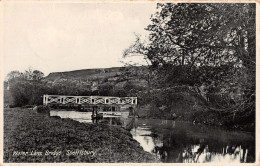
<point x="54" y="37"/>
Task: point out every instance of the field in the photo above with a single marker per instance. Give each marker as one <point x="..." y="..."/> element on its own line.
<point x="33" y="137"/>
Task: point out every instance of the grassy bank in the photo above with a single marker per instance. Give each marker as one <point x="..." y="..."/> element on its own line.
<point x="34" y="137"/>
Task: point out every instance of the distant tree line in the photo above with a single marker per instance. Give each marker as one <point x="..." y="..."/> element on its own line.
<point x="28" y="88"/>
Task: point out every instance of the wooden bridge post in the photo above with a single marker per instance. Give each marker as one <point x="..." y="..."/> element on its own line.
<point x="63" y="99"/>
<point x="79" y="100"/>
<point x="110" y="121"/>
<point x="131" y="111"/>
<point x="134" y="111"/>
<point x="44" y="101"/>
<point x="93" y="111"/>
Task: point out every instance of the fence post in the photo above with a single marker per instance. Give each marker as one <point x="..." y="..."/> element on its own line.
<point x="79" y="100"/>
<point x="43" y="102"/>
<point x="45" y="99"/>
<point x="76" y="99"/>
<point x="91" y="100"/>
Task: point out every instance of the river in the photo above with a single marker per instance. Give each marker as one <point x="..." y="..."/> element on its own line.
<point x="179" y="142"/>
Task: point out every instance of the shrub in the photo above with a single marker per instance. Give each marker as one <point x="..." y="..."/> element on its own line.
<point x="43" y="109"/>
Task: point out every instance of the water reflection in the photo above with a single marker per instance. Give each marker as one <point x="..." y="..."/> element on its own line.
<point x="75" y="115"/>
<point x="180" y="142"/>
<point x="198" y="154"/>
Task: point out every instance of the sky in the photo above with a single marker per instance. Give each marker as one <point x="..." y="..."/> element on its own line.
<point x="56" y="37"/>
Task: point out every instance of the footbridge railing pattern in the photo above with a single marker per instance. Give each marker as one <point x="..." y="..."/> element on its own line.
<point x="89" y="100"/>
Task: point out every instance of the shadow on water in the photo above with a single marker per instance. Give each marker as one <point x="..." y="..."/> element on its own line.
<point x="180" y="142"/>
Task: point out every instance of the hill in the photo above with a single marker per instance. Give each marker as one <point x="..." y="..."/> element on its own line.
<point x="94" y="79"/>
<point x="94" y="74"/>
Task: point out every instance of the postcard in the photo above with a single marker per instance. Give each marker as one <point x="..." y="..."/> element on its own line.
<point x="150" y="82"/>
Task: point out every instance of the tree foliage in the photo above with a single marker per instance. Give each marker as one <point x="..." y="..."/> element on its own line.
<point x="199" y="34"/>
<point x="210" y="45"/>
<point x="26" y="87"/>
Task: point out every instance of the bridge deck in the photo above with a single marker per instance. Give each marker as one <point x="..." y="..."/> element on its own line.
<point x="88" y="100"/>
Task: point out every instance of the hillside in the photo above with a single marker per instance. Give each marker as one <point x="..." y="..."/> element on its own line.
<point x="102" y="78"/>
<point x="93" y="74"/>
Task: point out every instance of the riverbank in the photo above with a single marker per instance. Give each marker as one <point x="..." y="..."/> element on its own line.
<point x="196" y="115"/>
<point x="183" y="105"/>
<point x="33" y="137"/>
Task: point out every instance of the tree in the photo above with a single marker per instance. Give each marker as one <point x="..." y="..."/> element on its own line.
<point x="26" y="88"/>
<point x="13" y="75"/>
<point x="37" y="75"/>
<point x="203" y="43"/>
<point x="31" y="74"/>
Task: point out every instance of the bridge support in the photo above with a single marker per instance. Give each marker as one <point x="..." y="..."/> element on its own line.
<point x="95" y="114"/>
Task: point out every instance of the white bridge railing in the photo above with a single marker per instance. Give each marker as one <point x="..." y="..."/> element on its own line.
<point x="91" y="100"/>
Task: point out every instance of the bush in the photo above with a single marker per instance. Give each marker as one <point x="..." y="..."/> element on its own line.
<point x="43" y="109"/>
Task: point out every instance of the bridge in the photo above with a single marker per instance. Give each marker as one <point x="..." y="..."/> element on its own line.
<point x="91" y="101"/>
<point x="88" y="100"/>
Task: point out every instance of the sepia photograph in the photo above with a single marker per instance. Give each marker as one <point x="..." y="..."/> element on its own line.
<point x="129" y="82"/>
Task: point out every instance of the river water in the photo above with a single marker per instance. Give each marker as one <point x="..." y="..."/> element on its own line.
<point x="179" y="142"/>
